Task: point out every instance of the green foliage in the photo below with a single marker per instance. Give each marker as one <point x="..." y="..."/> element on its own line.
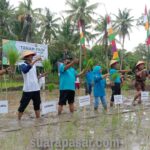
<point x="101" y="56"/>
<point x="51" y="87"/>
<point x="89" y="64"/>
<point x="81" y="10"/>
<point x="46" y="65"/>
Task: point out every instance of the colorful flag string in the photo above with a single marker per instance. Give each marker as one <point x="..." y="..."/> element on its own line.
<point x="111" y="37"/>
<point x="147" y="27"/>
<point x="82" y="39"/>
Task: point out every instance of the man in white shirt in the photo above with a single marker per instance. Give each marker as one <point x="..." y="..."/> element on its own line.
<point x="31" y="88"/>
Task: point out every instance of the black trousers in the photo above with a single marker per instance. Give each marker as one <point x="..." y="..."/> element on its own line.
<point x="116" y="90"/>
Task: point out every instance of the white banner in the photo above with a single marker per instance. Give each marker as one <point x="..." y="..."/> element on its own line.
<point x="3" y="106"/>
<point x="118" y="99"/>
<point x="39" y="49"/>
<point x="144" y="95"/>
<point x="84" y="100"/>
<point x="49" y="106"/>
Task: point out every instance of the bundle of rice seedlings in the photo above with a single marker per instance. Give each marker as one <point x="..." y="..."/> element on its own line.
<point x="46" y="65"/>
<point x="89" y="64"/>
<point x="13" y="56"/>
<point x="51" y="87"/>
<point x="114" y="76"/>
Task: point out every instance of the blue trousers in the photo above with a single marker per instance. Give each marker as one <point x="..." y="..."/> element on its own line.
<point x="103" y="100"/>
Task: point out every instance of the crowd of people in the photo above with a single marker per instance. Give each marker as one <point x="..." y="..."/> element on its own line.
<point x="96" y="80"/>
<point x="69" y="82"/>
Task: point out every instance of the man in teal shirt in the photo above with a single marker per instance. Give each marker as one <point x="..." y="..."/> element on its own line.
<point x="67" y="83"/>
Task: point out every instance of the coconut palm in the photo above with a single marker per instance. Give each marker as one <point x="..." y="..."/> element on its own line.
<point x="101" y="31"/>
<point x="80" y="11"/>
<point x="123" y="26"/>
<point x="28" y="17"/>
<point x="67" y="37"/>
<point x="49" y="26"/>
<point x="7" y="17"/>
<point x="102" y="35"/>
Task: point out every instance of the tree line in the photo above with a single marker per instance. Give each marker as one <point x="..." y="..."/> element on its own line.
<point x="61" y="32"/>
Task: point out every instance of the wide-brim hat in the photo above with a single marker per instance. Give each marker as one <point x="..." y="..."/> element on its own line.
<point x="112" y="62"/>
<point x="139" y="63"/>
<point x="27" y="53"/>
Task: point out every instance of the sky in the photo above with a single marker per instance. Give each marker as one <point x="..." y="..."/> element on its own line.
<point x="138" y="34"/>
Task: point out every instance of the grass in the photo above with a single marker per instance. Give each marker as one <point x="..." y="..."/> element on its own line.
<point x="10" y="84"/>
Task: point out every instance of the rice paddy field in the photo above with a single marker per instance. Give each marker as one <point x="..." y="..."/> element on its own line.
<point x="125" y="127"/>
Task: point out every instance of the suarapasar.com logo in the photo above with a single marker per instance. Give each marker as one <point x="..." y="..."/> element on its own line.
<point x="76" y="143"/>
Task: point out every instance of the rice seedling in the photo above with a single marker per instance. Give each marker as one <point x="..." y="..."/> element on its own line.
<point x="13" y="56"/>
<point x="51" y="87"/>
<point x="46" y="65"/>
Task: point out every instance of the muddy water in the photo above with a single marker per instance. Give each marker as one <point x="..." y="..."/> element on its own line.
<point x="124" y="128"/>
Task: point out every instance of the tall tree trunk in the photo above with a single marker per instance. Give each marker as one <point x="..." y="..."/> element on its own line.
<point x="122" y="56"/>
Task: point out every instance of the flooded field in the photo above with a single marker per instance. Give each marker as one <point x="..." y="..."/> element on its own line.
<point x="122" y="128"/>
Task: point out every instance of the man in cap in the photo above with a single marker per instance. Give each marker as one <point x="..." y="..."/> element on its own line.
<point x="140" y="77"/>
<point x="31" y="89"/>
<point x="67" y="83"/>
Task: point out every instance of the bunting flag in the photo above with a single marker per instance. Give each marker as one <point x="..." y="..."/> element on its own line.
<point x="82" y="38"/>
<point x="82" y="41"/>
<point x="147" y="27"/>
<point x="111" y="37"/>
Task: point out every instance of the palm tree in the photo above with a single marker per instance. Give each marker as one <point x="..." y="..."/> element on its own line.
<point x="28" y="17"/>
<point x="66" y="41"/>
<point x="49" y="26"/>
<point x="102" y="35"/>
<point x="7" y="17"/>
<point x="81" y="14"/>
<point x="101" y="29"/>
<point x="67" y="37"/>
<point x="80" y="11"/>
<point x="123" y="26"/>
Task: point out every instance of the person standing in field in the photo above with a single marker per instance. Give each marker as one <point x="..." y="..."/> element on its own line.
<point x="67" y="83"/>
<point x="31" y="88"/>
<point x="115" y="78"/>
<point x="89" y="81"/>
<point x="5" y="71"/>
<point x="99" y="87"/>
<point x="140" y="77"/>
